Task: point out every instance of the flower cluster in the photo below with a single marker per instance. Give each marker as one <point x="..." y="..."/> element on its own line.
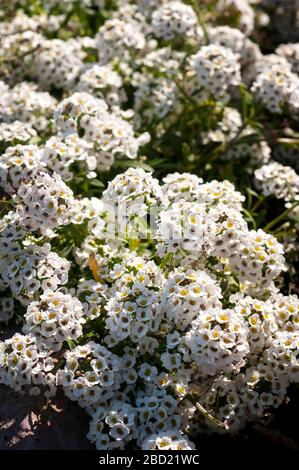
<point x="133" y="309"/>
<point x="117" y="38"/>
<point x="57" y="63"/>
<point x="212" y="71"/>
<point x="16" y="132"/>
<point x="55" y="318"/>
<point x="44" y="202"/>
<point x="29" y="269"/>
<point x="174" y="19"/>
<point x="91" y="374"/>
<point x="277" y="87"/>
<point x="187" y="293"/>
<point x="23" y="366"/>
<point x="217" y="342"/>
<point x="149" y="213"/>
<point x="107" y="134"/>
<point x="18" y="164"/>
<point x="25" y="103"/>
<point x="281" y="181"/>
<point x="259" y="258"/>
<point x="103" y="82"/>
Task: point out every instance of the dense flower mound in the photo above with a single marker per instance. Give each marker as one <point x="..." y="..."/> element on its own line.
<point x="149" y="198"/>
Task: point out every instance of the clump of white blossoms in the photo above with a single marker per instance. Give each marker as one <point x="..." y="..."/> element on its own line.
<point x="281" y="181"/>
<point x="154" y="98"/>
<point x="186" y="295"/>
<point x="184" y="229"/>
<point x="132" y="195"/>
<point x="174" y="19"/>
<point x="19" y="163"/>
<point x="111" y="136"/>
<point x="60" y="153"/>
<point x="91" y="375"/>
<point x="57" y="63"/>
<point x="232" y="38"/>
<point x="149" y="420"/>
<point x="168" y="440"/>
<point x="286" y="309"/>
<point x="211" y="225"/>
<point x="55" y="318"/>
<point x="70" y="109"/>
<point x="108" y="134"/>
<point x="19" y="39"/>
<point x="103" y="82"/>
<point x="260" y="320"/>
<point x="213" y="70"/>
<point x="93" y="296"/>
<point x="259" y="258"/>
<point x="291" y="53"/>
<point x="29" y="269"/>
<point x="17" y="131"/>
<point x="112" y="426"/>
<point x="181" y="186"/>
<point x="24" y="366"/>
<point x="117" y="38"/>
<point x="274" y="87"/>
<point x="220" y="192"/>
<point x="26" y="103"/>
<point x="44" y="203"/>
<point x="217" y="341"/>
<point x="133" y="310"/>
<point x="229" y="229"/>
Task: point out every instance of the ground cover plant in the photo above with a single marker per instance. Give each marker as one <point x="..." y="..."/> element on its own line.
<point x="149" y="153"/>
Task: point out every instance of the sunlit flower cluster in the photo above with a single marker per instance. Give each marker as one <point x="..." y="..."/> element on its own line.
<point x="149" y="214"/>
<point x="212" y="71"/>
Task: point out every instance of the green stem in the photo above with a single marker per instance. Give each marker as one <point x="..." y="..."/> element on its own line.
<point x="250" y="217"/>
<point x="205" y="413"/>
<point x="257" y="204"/>
<point x="280" y="217"/>
<point x="200" y="21"/>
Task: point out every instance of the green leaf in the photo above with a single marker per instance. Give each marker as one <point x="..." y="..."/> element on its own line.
<point x="71" y="344"/>
<point x="166" y="260"/>
<point x="97" y="183"/>
<point x="134" y="164"/>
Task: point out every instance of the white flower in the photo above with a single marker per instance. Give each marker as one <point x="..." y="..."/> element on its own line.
<point x="57" y="63"/>
<point x="16" y="131"/>
<point x="30" y="269"/>
<point x="217" y="341"/>
<point x="258" y="259"/>
<point x="174" y="19"/>
<point x="147" y="372"/>
<point x="278" y="180"/>
<point x="171" y="361"/>
<point x="274" y="87"/>
<point x="23" y="364"/>
<point x="117" y="38"/>
<point x="212" y="71"/>
<point x="187" y="295"/>
<point x="44" y="203"/>
<point x="54" y="319"/>
<point x="18" y="164"/>
<point x="181" y="186"/>
<point x="103" y="82"/>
